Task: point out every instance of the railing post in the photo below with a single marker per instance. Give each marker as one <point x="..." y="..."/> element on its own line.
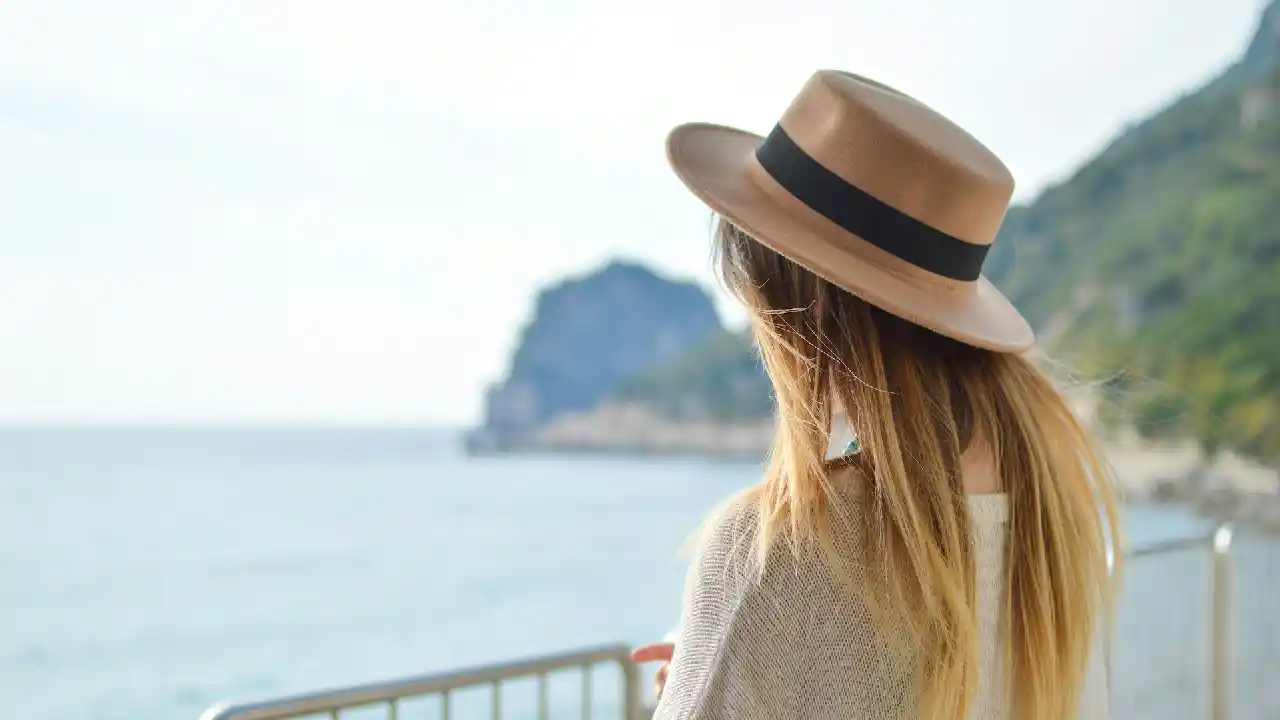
<point x="1220" y="638"/>
<point x="631" y="701"/>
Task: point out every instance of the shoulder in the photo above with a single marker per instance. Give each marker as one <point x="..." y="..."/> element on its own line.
<point x="732" y="521"/>
<point x="778" y="638"/>
<point x="724" y="547"/>
<point x="729" y="552"/>
<point x="731" y="532"/>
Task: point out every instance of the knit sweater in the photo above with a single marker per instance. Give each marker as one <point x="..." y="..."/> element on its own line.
<point x="794" y="643"/>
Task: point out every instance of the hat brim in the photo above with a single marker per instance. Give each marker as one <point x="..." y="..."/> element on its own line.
<point x="714" y="161"/>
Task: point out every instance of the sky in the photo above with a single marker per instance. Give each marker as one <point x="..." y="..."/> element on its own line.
<point x="321" y="212"/>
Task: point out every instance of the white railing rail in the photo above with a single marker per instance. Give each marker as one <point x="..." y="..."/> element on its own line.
<point x="392" y="693"/>
<point x="1220" y="599"/>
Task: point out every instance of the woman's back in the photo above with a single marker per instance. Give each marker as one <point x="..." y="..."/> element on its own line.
<point x="855" y="234"/>
<point x="795" y="642"/>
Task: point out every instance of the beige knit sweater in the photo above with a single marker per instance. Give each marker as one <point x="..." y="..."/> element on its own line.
<point x="793" y="645"/>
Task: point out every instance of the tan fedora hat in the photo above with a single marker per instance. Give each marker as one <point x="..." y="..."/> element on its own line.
<point x="875" y="192"/>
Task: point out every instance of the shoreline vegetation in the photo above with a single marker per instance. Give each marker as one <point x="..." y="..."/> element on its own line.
<point x="1156" y="265"/>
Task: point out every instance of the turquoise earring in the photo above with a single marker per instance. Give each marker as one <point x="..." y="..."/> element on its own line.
<point x="853" y="447"/>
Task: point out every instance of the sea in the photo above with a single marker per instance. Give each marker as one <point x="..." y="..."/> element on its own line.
<point x="148" y="573"/>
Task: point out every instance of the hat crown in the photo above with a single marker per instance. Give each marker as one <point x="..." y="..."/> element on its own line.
<point x="873" y="191"/>
<point x="901" y="152"/>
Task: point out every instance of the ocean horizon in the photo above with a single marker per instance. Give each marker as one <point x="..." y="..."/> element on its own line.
<point x="146" y="573"/>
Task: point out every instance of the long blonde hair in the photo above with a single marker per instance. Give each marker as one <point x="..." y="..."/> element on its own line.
<point x="916" y="401"/>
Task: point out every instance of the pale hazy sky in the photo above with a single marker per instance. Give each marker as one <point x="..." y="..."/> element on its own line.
<point x="313" y="211"/>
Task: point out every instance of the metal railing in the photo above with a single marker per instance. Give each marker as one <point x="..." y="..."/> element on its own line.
<point x="391" y="694"/>
<point x="1220" y="599"/>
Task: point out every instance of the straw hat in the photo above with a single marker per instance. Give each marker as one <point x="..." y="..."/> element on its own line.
<point x="875" y="192"/>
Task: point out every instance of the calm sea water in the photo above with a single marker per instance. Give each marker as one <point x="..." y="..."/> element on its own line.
<point x="145" y="574"/>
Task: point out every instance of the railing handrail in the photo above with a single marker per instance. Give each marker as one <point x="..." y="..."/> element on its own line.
<point x="1184" y="542"/>
<point x="393" y="690"/>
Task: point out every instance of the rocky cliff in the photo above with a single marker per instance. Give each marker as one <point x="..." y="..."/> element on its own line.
<point x="588" y="336"/>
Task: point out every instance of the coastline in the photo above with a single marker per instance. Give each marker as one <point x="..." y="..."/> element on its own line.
<point x="635" y="430"/>
<point x="1227" y="487"/>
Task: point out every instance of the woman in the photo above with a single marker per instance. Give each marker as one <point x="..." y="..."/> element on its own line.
<point x="953" y="564"/>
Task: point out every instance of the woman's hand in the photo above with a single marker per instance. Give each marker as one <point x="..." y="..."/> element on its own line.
<point x="656" y="652"/>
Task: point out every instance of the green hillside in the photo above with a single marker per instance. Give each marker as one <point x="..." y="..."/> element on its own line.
<point x="722" y="380"/>
<point x="1158" y="262"/>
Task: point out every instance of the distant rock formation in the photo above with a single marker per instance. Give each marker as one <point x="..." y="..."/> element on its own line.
<point x="588" y="336"/>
